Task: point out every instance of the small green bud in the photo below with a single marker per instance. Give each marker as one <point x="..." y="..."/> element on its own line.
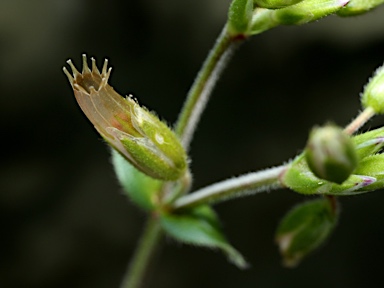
<point x="239" y="16"/>
<point x="307" y="11"/>
<point x="373" y="95"/>
<point x="305" y="228"/>
<point x="275" y="4"/>
<point x="357" y="7"/>
<point x="145" y="141"/>
<point x="331" y="154"/>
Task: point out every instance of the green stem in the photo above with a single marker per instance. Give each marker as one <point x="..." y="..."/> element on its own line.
<point x="360" y="120"/>
<point x="203" y="85"/>
<point x="248" y="184"/>
<point x="143" y="254"/>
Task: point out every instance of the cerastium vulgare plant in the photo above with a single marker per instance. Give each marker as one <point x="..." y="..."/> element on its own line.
<point x="151" y="159"/>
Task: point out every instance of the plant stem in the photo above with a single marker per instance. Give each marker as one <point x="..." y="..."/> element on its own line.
<point x="143" y="254"/>
<point x="248" y="184"/>
<point x="203" y="85"/>
<point x="360" y="120"/>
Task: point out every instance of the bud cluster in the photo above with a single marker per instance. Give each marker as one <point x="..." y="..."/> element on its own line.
<point x="338" y="166"/>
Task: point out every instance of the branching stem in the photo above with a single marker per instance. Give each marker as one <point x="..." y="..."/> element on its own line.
<point x="251" y="183"/>
<point x="360" y="120"/>
<point x="203" y="85"/>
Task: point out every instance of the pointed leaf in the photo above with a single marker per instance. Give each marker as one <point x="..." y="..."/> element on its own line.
<point x="200" y="226"/>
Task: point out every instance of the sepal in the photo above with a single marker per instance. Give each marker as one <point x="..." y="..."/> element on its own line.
<point x="358" y="7"/>
<point x="239" y="17"/>
<point x="308" y="11"/>
<point x="275" y="4"/>
<point x="373" y="95"/>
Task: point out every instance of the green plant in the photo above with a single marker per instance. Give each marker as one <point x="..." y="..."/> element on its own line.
<point x="151" y="160"/>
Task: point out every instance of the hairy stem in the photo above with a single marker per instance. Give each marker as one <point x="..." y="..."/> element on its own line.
<point x="360" y="120"/>
<point x="248" y="184"/>
<point x="143" y="254"/>
<point x="203" y="85"/>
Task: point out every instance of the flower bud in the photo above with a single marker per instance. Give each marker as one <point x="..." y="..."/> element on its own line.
<point x="373" y="95"/>
<point x="305" y="228"/>
<point x="145" y="141"/>
<point x="307" y="11"/>
<point x="275" y="4"/>
<point x="357" y="7"/>
<point x="239" y="17"/>
<point x="330" y="154"/>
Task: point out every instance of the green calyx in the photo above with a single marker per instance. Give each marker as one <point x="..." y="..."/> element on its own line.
<point x="307" y="11"/>
<point x="239" y="17"/>
<point x="358" y="7"/>
<point x="373" y="95"/>
<point x="297" y="13"/>
<point x="275" y="4"/>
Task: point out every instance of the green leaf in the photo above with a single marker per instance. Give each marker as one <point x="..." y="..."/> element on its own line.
<point x="200" y="226"/>
<point x="304" y="229"/>
<point x="140" y="188"/>
<point x="239" y="16"/>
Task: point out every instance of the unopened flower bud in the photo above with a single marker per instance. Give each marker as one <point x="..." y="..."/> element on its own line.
<point x="357" y="7"/>
<point x="331" y="154"/>
<point x="145" y="141"/>
<point x="275" y="4"/>
<point x="305" y="228"/>
<point x="239" y="17"/>
<point x="307" y="11"/>
<point x="373" y="95"/>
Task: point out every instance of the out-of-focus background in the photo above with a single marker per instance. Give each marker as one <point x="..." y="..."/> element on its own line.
<point x="64" y="221"/>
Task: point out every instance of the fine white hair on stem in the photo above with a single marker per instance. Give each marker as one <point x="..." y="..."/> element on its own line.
<point x="251" y="183"/>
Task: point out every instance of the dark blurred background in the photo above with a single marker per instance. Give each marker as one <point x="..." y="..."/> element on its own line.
<point x="64" y="221"/>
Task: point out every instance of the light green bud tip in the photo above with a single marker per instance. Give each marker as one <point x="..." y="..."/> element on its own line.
<point x="304" y="229"/>
<point x="275" y="4"/>
<point x="308" y="11"/>
<point x="357" y="7"/>
<point x="331" y="154"/>
<point x="145" y="141"/>
<point x="373" y="95"/>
